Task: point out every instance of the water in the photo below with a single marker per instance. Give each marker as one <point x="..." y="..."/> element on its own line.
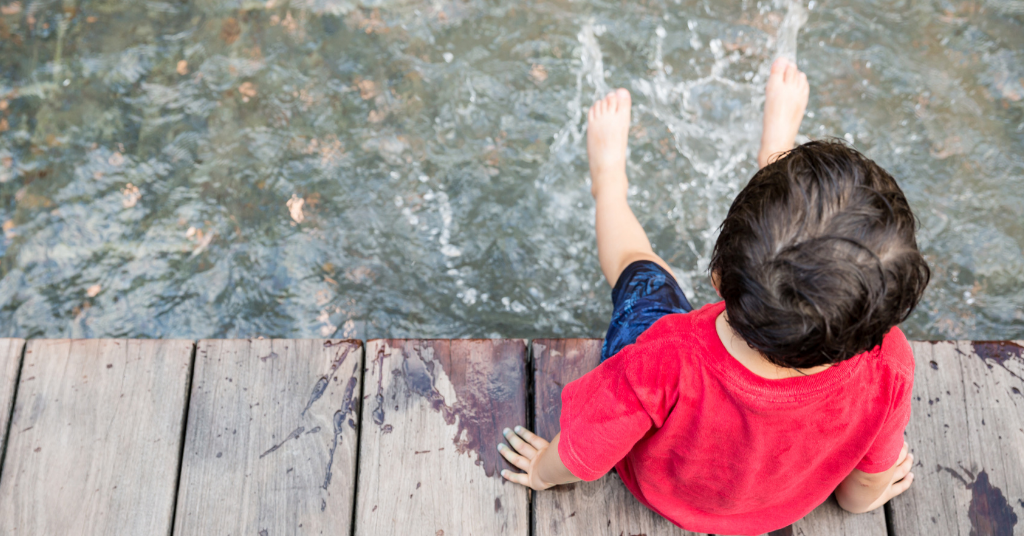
<point x="327" y="168"/>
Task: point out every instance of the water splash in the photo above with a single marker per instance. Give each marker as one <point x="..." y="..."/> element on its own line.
<point x="785" y="40"/>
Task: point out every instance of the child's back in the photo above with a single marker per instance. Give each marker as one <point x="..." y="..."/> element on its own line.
<point x="743" y="416"/>
<point x="715" y="448"/>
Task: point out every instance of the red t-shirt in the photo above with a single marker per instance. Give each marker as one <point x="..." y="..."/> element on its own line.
<point x="713" y="447"/>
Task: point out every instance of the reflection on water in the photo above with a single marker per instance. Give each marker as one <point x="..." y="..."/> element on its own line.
<point x="327" y="168"/>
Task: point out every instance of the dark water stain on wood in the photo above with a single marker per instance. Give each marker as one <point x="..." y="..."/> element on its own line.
<point x="786" y="531"/>
<point x="339" y="419"/>
<point x="378" y="361"/>
<point x="990" y="513"/>
<point x="321" y="385"/>
<point x="497" y="505"/>
<point x="488" y="377"/>
<point x="999" y="352"/>
<point x="295" y="434"/>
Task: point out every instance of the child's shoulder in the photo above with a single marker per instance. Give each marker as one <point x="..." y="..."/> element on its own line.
<point x="896" y="352"/>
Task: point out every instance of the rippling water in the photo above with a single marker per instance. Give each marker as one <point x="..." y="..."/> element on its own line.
<point x="327" y="168"/>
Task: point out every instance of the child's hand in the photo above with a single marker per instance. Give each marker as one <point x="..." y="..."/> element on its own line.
<point x="525" y="453"/>
<point x="901" y="478"/>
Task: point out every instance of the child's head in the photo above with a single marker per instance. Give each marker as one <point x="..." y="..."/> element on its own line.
<point x="817" y="260"/>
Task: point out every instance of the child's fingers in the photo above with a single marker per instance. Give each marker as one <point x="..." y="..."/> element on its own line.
<point x="903" y="468"/>
<point x="531" y="438"/>
<point x="518" y="478"/>
<point x="522" y="447"/>
<point x="902" y="485"/>
<point x="513" y="458"/>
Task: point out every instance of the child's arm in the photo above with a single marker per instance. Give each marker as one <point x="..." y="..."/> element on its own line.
<point x="540" y="460"/>
<point x="863" y="492"/>
<point x="620" y="237"/>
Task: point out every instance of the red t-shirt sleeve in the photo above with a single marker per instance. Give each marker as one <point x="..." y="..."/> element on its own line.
<point x="885" y="450"/>
<point x="609" y="409"/>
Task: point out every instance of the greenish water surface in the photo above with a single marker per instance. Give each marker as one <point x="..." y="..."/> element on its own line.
<point x="327" y="168"/>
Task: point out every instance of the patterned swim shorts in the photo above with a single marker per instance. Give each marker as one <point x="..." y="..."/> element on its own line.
<point x="644" y="293"/>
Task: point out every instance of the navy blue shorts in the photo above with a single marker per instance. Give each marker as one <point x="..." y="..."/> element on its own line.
<point x="644" y="293"/>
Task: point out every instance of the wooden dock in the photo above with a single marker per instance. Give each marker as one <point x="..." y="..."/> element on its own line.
<point x="281" y="437"/>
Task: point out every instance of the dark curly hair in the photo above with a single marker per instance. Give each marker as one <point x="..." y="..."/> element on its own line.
<point x="817" y="259"/>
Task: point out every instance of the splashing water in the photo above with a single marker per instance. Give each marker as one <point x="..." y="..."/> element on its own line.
<point x="324" y="168"/>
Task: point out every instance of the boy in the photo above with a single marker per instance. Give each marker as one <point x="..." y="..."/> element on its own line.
<point x="743" y="416"/>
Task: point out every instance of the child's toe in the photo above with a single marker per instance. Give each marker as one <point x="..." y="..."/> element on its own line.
<point x="622" y="98"/>
<point x="791" y="71"/>
<point x="779" y="66"/>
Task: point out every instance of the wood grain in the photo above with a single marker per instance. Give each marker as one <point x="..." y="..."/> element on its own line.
<point x="95" y="437"/>
<point x="831" y="520"/>
<point x="10" y="358"/>
<point x="270" y="447"/>
<point x="967" y="436"/>
<point x="428" y="462"/>
<point x="604" y="506"/>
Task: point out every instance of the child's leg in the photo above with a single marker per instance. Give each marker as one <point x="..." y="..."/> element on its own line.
<point x="785" y="101"/>
<point x="620" y="238"/>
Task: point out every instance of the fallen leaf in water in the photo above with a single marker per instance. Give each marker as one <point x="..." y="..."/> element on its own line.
<point x="295" y="208"/>
<point x="368" y="89"/>
<point x="11" y="9"/>
<point x="950" y="146"/>
<point x="204" y="241"/>
<point x="538" y="73"/>
<point x="4" y="126"/>
<point x="3" y="104"/>
<point x="248" y="91"/>
<point x="8" y="225"/>
<point x="97" y="175"/>
<point x="182" y="67"/>
<point x="289" y="23"/>
<point x="376" y="117"/>
<point x="91" y="19"/>
<point x="93" y="290"/>
<point x="131" y="195"/>
<point x="116" y="159"/>
<point x="190" y="232"/>
<point x="230" y="30"/>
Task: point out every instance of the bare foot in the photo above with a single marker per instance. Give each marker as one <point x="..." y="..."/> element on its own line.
<point x="607" y="136"/>
<point x="784" y="106"/>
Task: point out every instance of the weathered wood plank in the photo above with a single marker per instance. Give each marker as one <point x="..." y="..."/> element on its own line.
<point x="95" y="437"/>
<point x="270" y="445"/>
<point x="601" y="507"/>
<point x="606" y="506"/>
<point x="967" y="436"/>
<point x="434" y="412"/>
<point x="831" y="520"/>
<point x="10" y="356"/>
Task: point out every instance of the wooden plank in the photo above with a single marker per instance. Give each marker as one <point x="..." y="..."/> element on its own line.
<point x="829" y="519"/>
<point x="271" y="441"/>
<point x="967" y="436"/>
<point x="10" y="357"/>
<point x="96" y="437"/>
<point x="606" y="506"/>
<point x="434" y="413"/>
